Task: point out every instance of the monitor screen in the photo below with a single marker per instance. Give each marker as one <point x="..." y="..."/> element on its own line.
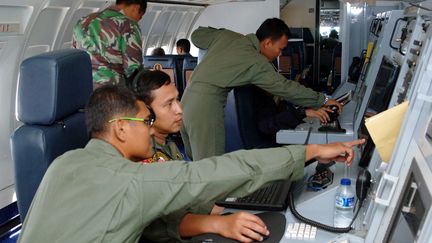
<point x="296" y="33"/>
<point x="379" y="101"/>
<point x="384" y="85"/>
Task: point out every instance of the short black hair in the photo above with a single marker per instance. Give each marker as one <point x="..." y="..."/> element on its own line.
<point x="142" y="3"/>
<point x="272" y="28"/>
<point x="334" y="34"/>
<point x="185" y="44"/>
<point x="158" y="51"/>
<point x="108" y="102"/>
<point x="145" y="81"/>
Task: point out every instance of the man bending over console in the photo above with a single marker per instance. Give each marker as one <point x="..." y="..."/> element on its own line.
<point x="100" y="193"/>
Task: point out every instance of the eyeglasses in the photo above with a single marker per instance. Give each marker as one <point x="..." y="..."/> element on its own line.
<point x="149" y="122"/>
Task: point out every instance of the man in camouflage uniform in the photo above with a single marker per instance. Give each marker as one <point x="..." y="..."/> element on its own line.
<point x="112" y="38"/>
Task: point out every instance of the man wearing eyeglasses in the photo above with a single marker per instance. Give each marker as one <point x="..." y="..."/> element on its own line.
<point x="100" y="193"/>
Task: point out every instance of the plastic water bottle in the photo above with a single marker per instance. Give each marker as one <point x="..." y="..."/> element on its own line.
<point x="344" y="204"/>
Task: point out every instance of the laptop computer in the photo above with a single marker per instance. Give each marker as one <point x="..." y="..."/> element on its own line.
<point x="273" y="197"/>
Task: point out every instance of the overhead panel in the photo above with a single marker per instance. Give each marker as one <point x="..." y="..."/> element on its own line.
<point x="163" y="24"/>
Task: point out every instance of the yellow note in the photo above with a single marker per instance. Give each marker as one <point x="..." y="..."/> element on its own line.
<point x="384" y="129"/>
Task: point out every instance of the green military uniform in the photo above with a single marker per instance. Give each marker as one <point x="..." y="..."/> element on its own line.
<point x="165" y="229"/>
<point x="232" y="60"/>
<point x="113" y="42"/>
<point x="96" y="195"/>
<point x="165" y="152"/>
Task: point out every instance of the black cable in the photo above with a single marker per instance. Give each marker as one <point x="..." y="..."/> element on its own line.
<point x="317" y="224"/>
<point x="308" y="135"/>
<point x="420" y="7"/>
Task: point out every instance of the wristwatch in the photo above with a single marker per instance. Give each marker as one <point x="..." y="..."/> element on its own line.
<point x="326" y="99"/>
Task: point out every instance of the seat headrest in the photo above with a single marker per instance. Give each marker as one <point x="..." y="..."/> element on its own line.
<point x="166" y="61"/>
<point x="53" y="85"/>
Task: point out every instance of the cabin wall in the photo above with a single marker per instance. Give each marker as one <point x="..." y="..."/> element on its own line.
<point x="242" y="17"/>
<point x="296" y="14"/>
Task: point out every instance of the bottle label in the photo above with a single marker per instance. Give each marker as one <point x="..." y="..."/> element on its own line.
<point x="344" y="202"/>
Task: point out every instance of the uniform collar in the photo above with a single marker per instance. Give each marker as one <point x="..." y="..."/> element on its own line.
<point x="104" y="147"/>
<point x="114" y="8"/>
<point x="254" y="40"/>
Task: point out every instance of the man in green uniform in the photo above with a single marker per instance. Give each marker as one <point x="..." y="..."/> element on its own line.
<point x="234" y="60"/>
<point x="100" y="193"/>
<point x="112" y="38"/>
<point x="156" y="89"/>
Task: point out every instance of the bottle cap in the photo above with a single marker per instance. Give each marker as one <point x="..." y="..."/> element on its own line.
<point x="345" y="181"/>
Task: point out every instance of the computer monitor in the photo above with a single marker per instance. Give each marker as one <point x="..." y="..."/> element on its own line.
<point x="378" y="101"/>
<point x="384" y="86"/>
<point x="296" y="33"/>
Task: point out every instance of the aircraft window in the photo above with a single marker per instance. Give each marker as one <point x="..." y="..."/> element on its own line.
<point x="148" y="20"/>
<point x="187" y="23"/>
<point x="163" y="25"/>
<point x="41" y="40"/>
<point x="79" y="13"/>
<point x="170" y="33"/>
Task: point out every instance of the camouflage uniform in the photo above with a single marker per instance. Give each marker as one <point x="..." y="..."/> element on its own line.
<point x="113" y="42"/>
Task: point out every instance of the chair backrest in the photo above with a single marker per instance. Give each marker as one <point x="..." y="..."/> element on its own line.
<point x="233" y="140"/>
<point x="165" y="64"/>
<point x="241" y="130"/>
<point x="53" y="90"/>
<point x="189" y="64"/>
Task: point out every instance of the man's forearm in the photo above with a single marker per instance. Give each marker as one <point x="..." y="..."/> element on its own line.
<point x="195" y="224"/>
<point x="311" y="151"/>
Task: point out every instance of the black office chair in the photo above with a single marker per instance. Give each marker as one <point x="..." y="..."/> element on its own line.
<point x="52" y="92"/>
<point x="241" y="130"/>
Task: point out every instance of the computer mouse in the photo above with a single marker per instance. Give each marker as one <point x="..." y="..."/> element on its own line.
<point x="275" y="222"/>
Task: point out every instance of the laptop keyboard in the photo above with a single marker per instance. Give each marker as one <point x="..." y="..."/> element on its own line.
<point x="262" y="196"/>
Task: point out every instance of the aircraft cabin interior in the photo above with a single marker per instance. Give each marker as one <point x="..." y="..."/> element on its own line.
<point x="372" y="56"/>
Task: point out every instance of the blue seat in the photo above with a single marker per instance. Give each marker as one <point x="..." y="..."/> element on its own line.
<point x="170" y="64"/>
<point x="233" y="140"/>
<point x="53" y="90"/>
<point x="189" y="64"/>
<point x="241" y="129"/>
<point x="292" y="60"/>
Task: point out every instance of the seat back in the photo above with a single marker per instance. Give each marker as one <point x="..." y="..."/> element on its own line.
<point x="53" y="90"/>
<point x="233" y="140"/>
<point x="189" y="64"/>
<point x="241" y="130"/>
<point x="166" y="64"/>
